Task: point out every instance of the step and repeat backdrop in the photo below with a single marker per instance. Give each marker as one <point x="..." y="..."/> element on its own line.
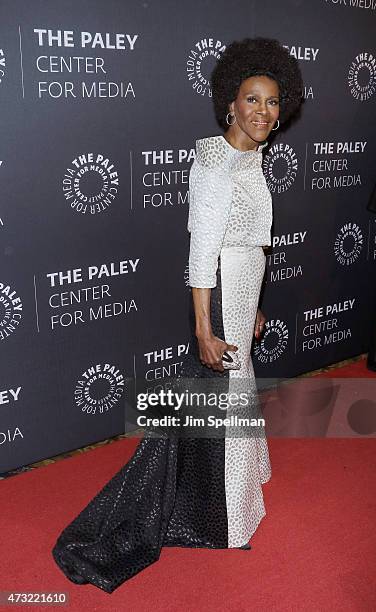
<point x="101" y="105"/>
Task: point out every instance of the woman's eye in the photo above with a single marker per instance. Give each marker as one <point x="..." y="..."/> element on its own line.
<point x="272" y="102"/>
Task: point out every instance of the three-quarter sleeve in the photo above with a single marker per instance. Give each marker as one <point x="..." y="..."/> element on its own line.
<point x="210" y="196"/>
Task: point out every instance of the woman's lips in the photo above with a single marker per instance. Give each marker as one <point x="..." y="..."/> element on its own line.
<point x="260" y="124"/>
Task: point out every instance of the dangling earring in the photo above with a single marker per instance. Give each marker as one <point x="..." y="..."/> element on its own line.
<point x="227" y="121"/>
<point x="276" y="128"/>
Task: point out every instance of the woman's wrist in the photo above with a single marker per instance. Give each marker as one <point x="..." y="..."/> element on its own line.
<point x="204" y="333"/>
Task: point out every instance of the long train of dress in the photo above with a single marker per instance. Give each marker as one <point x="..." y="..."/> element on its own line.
<point x="177" y="491"/>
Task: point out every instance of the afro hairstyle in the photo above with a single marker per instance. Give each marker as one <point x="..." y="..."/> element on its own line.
<point x="255" y="57"/>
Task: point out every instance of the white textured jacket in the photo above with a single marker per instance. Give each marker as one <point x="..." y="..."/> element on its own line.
<point x="230" y="205"/>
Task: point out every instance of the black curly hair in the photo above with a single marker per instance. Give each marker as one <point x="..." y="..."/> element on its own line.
<point x="255" y="57"/>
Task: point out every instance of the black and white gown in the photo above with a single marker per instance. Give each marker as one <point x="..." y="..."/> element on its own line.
<point x="201" y="492"/>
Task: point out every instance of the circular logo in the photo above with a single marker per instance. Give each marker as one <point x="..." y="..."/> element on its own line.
<point x="274" y="341"/>
<point x="91" y="184"/>
<point x="348" y="244"/>
<point x="10" y="311"/>
<point x="200" y="63"/>
<point x="362" y="76"/>
<point x="280" y="166"/>
<point x="99" y="388"/>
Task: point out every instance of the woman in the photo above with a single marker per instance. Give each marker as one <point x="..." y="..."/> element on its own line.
<point x="180" y="490"/>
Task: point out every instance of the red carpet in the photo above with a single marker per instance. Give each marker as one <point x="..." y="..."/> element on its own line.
<point x="357" y="369"/>
<point x="315" y="550"/>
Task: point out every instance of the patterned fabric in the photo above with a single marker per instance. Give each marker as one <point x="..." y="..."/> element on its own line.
<point x="247" y="463"/>
<point x="230" y="220"/>
<point x="193" y="492"/>
<point x="230" y="205"/>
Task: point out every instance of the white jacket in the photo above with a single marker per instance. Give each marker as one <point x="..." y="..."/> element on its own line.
<point x="230" y="205"/>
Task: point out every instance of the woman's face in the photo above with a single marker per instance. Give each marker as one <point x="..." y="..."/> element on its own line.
<point x="256" y="109"/>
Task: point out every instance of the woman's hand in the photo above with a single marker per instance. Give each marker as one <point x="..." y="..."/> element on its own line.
<point x="211" y="350"/>
<point x="259" y="324"/>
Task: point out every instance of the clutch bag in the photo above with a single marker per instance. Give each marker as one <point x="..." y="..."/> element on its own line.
<point x="230" y="360"/>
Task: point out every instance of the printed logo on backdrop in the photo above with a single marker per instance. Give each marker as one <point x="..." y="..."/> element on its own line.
<point x="273" y="343"/>
<point x="90" y="183"/>
<point x="10" y="435"/>
<point x="335" y="165"/>
<point x="10" y="310"/>
<point x="7" y="398"/>
<point x="362" y="4"/>
<point x="200" y="63"/>
<point x="280" y="166"/>
<point x="99" y="388"/>
<point x="68" y="58"/>
<point x="279" y="263"/>
<point x="165" y="177"/>
<point x="162" y="364"/>
<point x="362" y="76"/>
<point x="2" y="65"/>
<point x="348" y="244"/>
<point x="86" y="295"/>
<point x="307" y="54"/>
<point x="324" y="325"/>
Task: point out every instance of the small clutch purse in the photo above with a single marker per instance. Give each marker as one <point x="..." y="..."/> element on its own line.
<point x="230" y="360"/>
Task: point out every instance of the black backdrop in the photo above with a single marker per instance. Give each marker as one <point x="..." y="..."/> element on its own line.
<point x="101" y="104"/>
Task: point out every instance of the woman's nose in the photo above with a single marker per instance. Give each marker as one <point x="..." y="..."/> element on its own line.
<point x="262" y="108"/>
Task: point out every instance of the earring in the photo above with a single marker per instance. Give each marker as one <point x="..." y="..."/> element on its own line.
<point x="227" y="121"/>
<point x="276" y="128"/>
